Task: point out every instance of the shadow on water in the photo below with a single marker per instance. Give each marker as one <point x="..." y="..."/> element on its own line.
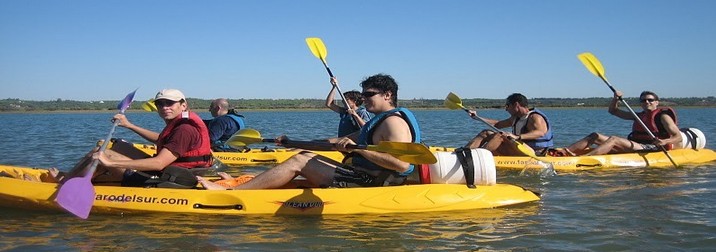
<point x="462" y="230"/>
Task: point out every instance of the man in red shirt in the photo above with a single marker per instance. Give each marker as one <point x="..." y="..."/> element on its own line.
<point x="184" y="143"/>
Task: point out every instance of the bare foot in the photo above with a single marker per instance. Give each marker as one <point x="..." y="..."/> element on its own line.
<point x="208" y="185"/>
<point x="27" y="177"/>
<point x="5" y="174"/>
<point x="55" y="175"/>
<point x="224" y="175"/>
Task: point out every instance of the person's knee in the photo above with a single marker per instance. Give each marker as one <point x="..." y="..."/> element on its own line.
<point x="594" y="135"/>
<point x="485" y="133"/>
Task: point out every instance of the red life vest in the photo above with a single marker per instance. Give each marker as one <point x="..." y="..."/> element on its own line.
<point x="653" y="123"/>
<point x="197" y="158"/>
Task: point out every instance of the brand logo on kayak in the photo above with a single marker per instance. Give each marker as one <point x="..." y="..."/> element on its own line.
<point x="240" y="159"/>
<point x="303" y="206"/>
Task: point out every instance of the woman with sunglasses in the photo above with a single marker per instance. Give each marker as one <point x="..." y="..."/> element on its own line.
<point x="660" y="121"/>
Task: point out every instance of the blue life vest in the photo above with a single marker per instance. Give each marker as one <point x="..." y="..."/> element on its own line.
<point x="366" y="137"/>
<point x="539" y="143"/>
<point x="221" y="143"/>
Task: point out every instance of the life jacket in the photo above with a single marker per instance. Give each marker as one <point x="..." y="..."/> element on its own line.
<point x="238" y="119"/>
<point x="541" y="142"/>
<point x="366" y="137"/>
<point x="197" y="158"/>
<point x="347" y="125"/>
<point x="220" y="144"/>
<point x="653" y="123"/>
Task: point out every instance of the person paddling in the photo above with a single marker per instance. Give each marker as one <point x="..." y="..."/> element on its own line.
<point x="366" y="168"/>
<point x="530" y="126"/>
<point x="660" y="121"/>
<point x="225" y="123"/>
<point x="182" y="144"/>
<point x="354" y="116"/>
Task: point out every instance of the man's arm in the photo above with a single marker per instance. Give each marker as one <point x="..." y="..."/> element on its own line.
<point x="537" y="127"/>
<point x="156" y="163"/>
<point x="614" y="108"/>
<point x="674" y="132"/>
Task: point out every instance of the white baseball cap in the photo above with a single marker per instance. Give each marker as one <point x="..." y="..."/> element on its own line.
<point x="170" y="94"/>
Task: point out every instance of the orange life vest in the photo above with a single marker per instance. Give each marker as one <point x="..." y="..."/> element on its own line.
<point x="197" y="158"/>
<point x="653" y="123"/>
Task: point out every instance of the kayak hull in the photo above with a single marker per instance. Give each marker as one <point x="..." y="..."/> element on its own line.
<point x="624" y="160"/>
<point x="37" y="195"/>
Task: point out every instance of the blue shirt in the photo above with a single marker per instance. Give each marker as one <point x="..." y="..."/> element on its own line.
<point x="348" y="125"/>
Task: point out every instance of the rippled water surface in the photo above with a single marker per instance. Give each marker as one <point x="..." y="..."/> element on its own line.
<point x="622" y="209"/>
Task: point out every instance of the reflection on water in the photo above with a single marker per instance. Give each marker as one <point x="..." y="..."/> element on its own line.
<point x="618" y="209"/>
<point x="461" y="230"/>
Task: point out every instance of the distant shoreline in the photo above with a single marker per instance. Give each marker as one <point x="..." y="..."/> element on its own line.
<point x="282" y="110"/>
<point x="64" y="106"/>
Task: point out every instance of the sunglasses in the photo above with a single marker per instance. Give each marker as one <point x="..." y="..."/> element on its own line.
<point x="647" y="100"/>
<point x="368" y="94"/>
<point x="164" y="103"/>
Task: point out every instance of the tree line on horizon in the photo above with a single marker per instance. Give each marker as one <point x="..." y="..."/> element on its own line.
<point x="17" y="105"/>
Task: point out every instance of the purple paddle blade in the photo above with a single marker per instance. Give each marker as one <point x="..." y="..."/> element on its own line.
<point x="124" y="104"/>
<point x="76" y="196"/>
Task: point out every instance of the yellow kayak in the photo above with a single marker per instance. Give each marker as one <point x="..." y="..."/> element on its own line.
<point x="624" y="160"/>
<point x="253" y="156"/>
<point x="29" y="188"/>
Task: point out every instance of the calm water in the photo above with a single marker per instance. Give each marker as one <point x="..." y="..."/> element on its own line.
<point x="627" y="209"/>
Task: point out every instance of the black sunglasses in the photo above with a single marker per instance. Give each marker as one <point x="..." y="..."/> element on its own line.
<point x="368" y="94"/>
<point x="162" y="103"/>
<point x="647" y="100"/>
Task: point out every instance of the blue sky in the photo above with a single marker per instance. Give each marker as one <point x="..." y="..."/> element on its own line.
<point x="102" y="50"/>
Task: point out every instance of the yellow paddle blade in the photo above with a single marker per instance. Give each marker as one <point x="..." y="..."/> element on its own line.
<point x="592" y="64"/>
<point x="244" y="137"/>
<point x="149" y="106"/>
<point x="452" y="101"/>
<point x="317" y="48"/>
<point x="414" y="153"/>
<point x="525" y="149"/>
<point x="522" y="147"/>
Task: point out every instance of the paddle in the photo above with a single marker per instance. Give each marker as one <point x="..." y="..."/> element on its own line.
<point x="319" y="50"/>
<point x="595" y="67"/>
<point x="149" y="105"/>
<point x="77" y="194"/>
<point x="413" y="153"/>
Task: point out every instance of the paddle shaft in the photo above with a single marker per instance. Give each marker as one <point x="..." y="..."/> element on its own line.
<point x="313" y="145"/>
<point x="328" y="69"/>
<point x="482" y="120"/>
<point x="636" y="117"/>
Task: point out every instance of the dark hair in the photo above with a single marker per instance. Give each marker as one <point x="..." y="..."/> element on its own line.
<point x="354" y="96"/>
<point x="656" y="97"/>
<point x="517" y="98"/>
<point x="384" y="83"/>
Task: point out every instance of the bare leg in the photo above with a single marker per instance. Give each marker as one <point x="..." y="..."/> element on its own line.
<point x="317" y="169"/>
<point x="582" y="146"/>
<point x="494" y="143"/>
<point x="615" y="144"/>
<point x="477" y="140"/>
